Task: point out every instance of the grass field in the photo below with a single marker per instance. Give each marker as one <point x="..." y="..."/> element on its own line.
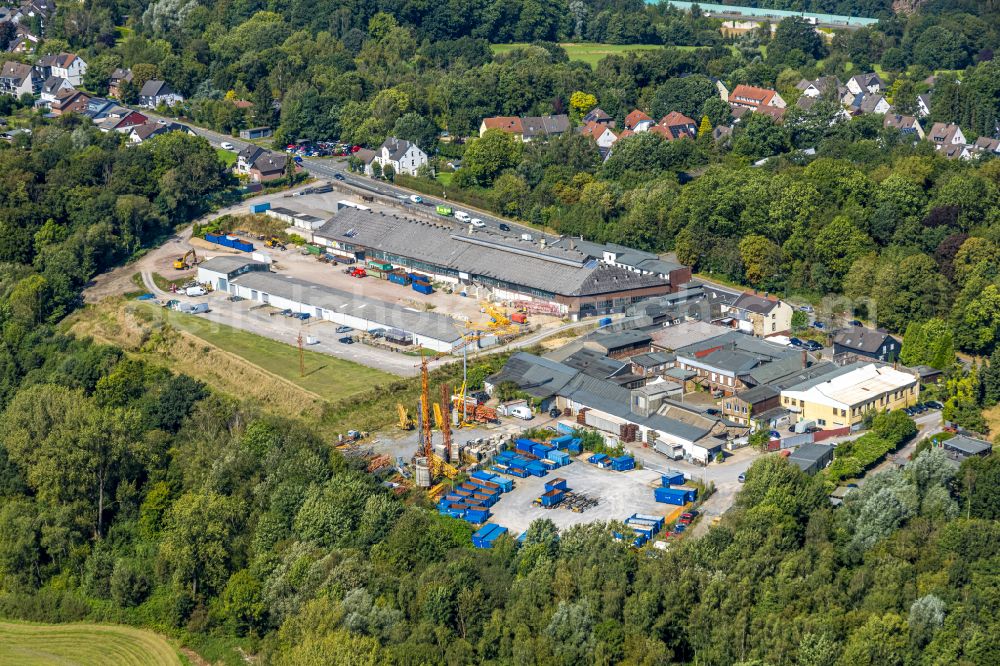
<point x="328" y="377"/>
<point x="83" y="645"/>
<point x="592" y="53"/>
<point x="228" y="157"/>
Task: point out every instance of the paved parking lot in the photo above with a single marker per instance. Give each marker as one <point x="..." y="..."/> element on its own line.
<point x="619" y="495"/>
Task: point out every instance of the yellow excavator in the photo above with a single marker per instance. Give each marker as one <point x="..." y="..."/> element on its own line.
<point x="181" y="263"/>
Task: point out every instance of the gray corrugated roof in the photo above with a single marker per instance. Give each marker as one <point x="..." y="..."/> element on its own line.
<point x="652" y="358"/>
<point x="777" y="369"/>
<point x="864" y="339"/>
<point x="797" y="376"/>
<point x="817" y="379"/>
<point x="537" y="376"/>
<point x="811" y="452"/>
<point x="968" y="445"/>
<point x="390" y="315"/>
<point x="552" y="270"/>
<point x="754" y="303"/>
<point x="230" y="264"/>
<point x="758" y="394"/>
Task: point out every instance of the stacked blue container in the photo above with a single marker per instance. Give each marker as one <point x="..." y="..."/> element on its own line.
<point x="672" y="478"/>
<point x="487" y="535"/>
<point x="622" y="463"/>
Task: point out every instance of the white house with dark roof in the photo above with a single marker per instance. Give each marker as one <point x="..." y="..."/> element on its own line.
<point x="869" y="82"/>
<point x="923" y="105"/>
<point x="17" y="79"/>
<point x="908" y="125"/>
<point x="52" y="87"/>
<point x="67" y="66"/>
<point x="403" y="156"/>
<point x="155" y="92"/>
<point x="946" y="136"/>
<point x="760" y="315"/>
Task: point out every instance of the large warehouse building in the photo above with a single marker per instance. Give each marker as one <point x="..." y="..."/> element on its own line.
<point x="253" y="281"/>
<point x="570" y="278"/>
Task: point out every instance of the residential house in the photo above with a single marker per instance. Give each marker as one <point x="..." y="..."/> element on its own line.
<point x="40" y="9"/>
<point x="867" y="343"/>
<point x="923" y="105"/>
<point x="24" y="40"/>
<point x="869" y="82"/>
<point x="51" y="89"/>
<point x="118" y="78"/>
<point x="722" y="89"/>
<point x="155" y="92"/>
<point x="760" y="315"/>
<point x="542" y="127"/>
<point x="601" y="134"/>
<point x="17" y="79"/>
<point x="597" y="115"/>
<point x="70" y="101"/>
<point x="508" y="124"/>
<point x="637" y="121"/>
<point x="366" y="157"/>
<point x="741" y="407"/>
<point x="67" y="66"/>
<point x="907" y="125"/>
<point x="268" y="167"/>
<point x="824" y="85"/>
<point x="403" y="156"/>
<point x="754" y="98"/>
<point x="811" y="458"/>
<point x="865" y="102"/>
<point x="986" y="145"/>
<point x="120" y="119"/>
<point x="960" y="447"/>
<point x="842" y="398"/>
<point x="958" y="151"/>
<point x="676" y="125"/>
<point x="775" y="113"/>
<point x="944" y="135"/>
<point x="148" y="130"/>
<point x="527" y="128"/>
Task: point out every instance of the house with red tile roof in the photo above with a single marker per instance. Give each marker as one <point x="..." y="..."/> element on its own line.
<point x="600" y="133"/>
<point x="637" y="121"/>
<point x="752" y="97"/>
<point x="676" y="125"/>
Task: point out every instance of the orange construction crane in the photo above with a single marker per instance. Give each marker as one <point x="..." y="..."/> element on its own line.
<point x="446" y="420"/>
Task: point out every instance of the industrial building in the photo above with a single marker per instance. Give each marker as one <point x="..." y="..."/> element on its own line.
<point x="253" y="281"/>
<point x="842" y="398"/>
<point x="568" y="278"/>
<point x="668" y="427"/>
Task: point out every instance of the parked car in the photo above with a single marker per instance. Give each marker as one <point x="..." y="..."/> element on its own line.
<point x="934" y="404"/>
<point x="713" y="412"/>
<point x="795" y="342"/>
<point x="338" y="176"/>
<point x="555" y="412"/>
<point x="346" y="340"/>
<point x="195" y="291"/>
<point x="504" y="227"/>
<point x="811" y="345"/>
<point x="774" y="434"/>
<point x="909" y="411"/>
<point x="855" y="322"/>
<point x="344" y="329"/>
<point x="806" y="308"/>
<point x="225" y="145"/>
<point x="819" y="325"/>
<point x="415" y="198"/>
<point x="688" y="517"/>
<point x="377" y="332"/>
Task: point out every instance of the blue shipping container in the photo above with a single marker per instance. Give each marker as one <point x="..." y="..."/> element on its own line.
<point x="482" y="533"/>
<point x="482" y="475"/>
<point x="604" y="321"/>
<point x="423" y="288"/>
<point x="622" y="463"/>
<point x="477" y="516"/>
<point x="260" y="207"/>
<point x="598" y="458"/>
<point x="559" y="457"/>
<point x="659" y="520"/>
<point x="565" y="428"/>
<point x="561" y="441"/>
<point x="493" y="536"/>
<point x="670" y="496"/>
<point x="672" y="479"/>
<point x="399" y="278"/>
<point x="552" y="497"/>
<point x="556" y="484"/>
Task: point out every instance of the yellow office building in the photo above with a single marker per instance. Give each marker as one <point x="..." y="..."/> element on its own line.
<point x="842" y="397"/>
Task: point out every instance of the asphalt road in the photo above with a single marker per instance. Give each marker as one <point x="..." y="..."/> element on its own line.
<point x="336" y="168"/>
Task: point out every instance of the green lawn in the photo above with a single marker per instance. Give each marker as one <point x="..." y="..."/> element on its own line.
<point x="84" y="645"/>
<point x="327" y="376"/>
<point x="228" y="157"/>
<point x="592" y="53"/>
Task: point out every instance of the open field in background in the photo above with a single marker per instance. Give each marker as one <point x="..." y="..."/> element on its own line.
<point x="592" y="53"/>
<point x="232" y="361"/>
<point x="83" y="645"/>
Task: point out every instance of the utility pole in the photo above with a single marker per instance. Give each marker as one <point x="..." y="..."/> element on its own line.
<point x="302" y="358"/>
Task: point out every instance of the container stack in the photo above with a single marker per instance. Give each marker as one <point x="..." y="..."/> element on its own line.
<point x="521" y="465"/>
<point x="555" y="492"/>
<point x="645" y="527"/>
<point x="676" y="496"/>
<point x="472" y="500"/>
<point x="672" y="478"/>
<point x="487" y="535"/>
<point x="623" y="463"/>
<point x="568" y="443"/>
<point x="229" y="241"/>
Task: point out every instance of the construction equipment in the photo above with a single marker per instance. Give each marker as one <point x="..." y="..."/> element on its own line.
<point x="438" y="417"/>
<point x="181" y="263"/>
<point x="274" y="241"/>
<point x="405" y="420"/>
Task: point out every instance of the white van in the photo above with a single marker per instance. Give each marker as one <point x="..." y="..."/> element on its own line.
<point x="476" y="222"/>
<point x="195" y="291"/>
<point x="521" y="412"/>
<point x="527" y="237"/>
<point x="462" y="216"/>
